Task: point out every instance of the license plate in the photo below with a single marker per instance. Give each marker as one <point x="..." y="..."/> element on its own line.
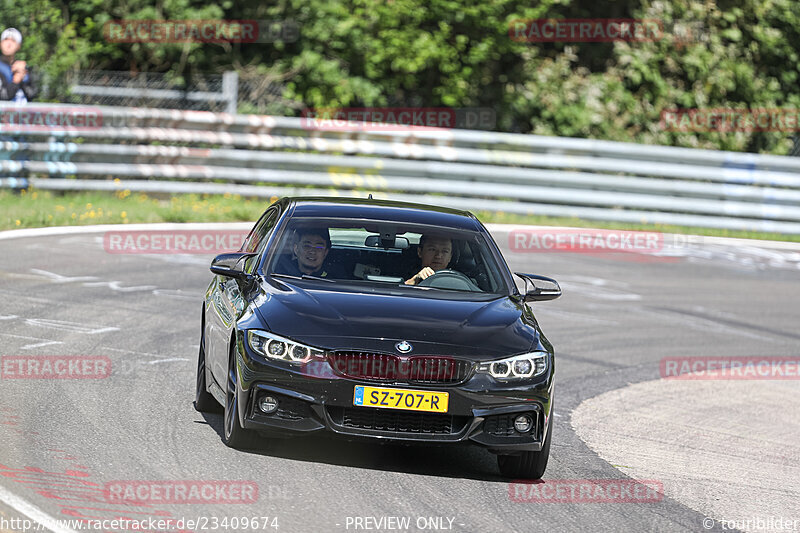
<point x="407" y="400"/>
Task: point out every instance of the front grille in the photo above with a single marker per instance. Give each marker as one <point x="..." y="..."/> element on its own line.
<point x="503" y="425"/>
<point x="389" y="367"/>
<point x="388" y="420"/>
<point x="292" y="408"/>
<point x="499" y="426"/>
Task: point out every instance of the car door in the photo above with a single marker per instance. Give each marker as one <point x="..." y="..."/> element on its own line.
<point x="226" y="301"/>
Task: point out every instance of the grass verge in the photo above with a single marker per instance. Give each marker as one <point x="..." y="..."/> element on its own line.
<point x="34" y="209"/>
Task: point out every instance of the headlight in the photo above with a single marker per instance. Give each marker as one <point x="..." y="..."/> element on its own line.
<point x="522" y="366"/>
<point x="274" y="347"/>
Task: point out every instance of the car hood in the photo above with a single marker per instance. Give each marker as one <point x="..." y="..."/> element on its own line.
<point x="343" y="320"/>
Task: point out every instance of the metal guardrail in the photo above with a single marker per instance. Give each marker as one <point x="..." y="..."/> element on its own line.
<point x="168" y="151"/>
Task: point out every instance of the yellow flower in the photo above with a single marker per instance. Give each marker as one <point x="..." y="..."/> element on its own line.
<point x="34" y="195"/>
<point x="74" y="215"/>
<point x="59" y="208"/>
<point x="124" y="214"/>
<point x="88" y="206"/>
<point x="18" y="222"/>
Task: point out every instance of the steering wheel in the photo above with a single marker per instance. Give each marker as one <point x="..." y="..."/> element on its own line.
<point x="449" y="279"/>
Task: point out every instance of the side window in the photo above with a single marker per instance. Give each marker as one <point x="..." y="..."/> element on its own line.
<point x="258" y="238"/>
<point x="260" y="232"/>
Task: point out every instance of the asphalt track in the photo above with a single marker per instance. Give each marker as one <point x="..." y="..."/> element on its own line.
<point x="61" y="441"/>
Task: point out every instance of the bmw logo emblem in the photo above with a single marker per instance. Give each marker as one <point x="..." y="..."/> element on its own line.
<point x="404" y="347"/>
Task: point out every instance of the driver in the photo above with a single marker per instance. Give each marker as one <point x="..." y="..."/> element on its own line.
<point x="435" y="253"/>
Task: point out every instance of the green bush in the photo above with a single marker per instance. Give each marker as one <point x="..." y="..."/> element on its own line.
<point x="457" y="53"/>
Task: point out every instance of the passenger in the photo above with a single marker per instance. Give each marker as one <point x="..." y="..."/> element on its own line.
<point x="435" y="253"/>
<point x="310" y="251"/>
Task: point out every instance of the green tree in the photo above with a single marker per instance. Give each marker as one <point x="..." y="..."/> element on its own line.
<point x="458" y="53"/>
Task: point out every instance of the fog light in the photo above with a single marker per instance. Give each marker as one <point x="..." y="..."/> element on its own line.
<point x="268" y="405"/>
<point x="523" y="423"/>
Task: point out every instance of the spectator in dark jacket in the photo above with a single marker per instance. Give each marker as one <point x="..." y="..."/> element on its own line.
<point x="15" y="78"/>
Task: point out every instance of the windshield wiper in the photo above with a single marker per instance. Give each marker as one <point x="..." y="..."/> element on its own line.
<point x="303" y="276"/>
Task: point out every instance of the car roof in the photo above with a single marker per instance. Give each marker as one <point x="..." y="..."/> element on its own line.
<point x="382" y="209"/>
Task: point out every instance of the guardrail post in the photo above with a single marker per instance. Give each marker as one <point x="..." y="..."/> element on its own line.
<point x="230" y="90"/>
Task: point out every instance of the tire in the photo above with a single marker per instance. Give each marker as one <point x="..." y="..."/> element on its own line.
<point x="527" y="465"/>
<point x="204" y="402"/>
<point x="233" y="434"/>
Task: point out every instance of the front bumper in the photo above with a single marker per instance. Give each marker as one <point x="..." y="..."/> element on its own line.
<point x="481" y="410"/>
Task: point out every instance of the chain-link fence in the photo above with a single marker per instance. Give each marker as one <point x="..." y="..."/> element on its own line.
<point x="264" y="95"/>
<point x="229" y="92"/>
<point x="796" y="148"/>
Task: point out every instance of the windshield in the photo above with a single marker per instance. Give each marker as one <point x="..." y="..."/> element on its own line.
<point x="369" y="253"/>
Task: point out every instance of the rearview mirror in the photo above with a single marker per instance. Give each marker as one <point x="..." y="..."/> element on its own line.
<point x="231" y="265"/>
<point x="539" y="288"/>
<point x="375" y="241"/>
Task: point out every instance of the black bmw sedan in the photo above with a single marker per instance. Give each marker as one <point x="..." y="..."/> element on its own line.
<point x="377" y="320"/>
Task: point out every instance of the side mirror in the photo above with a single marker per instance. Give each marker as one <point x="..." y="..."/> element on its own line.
<point x="541" y="288"/>
<point x="231" y="265"/>
<point x="374" y="241"/>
